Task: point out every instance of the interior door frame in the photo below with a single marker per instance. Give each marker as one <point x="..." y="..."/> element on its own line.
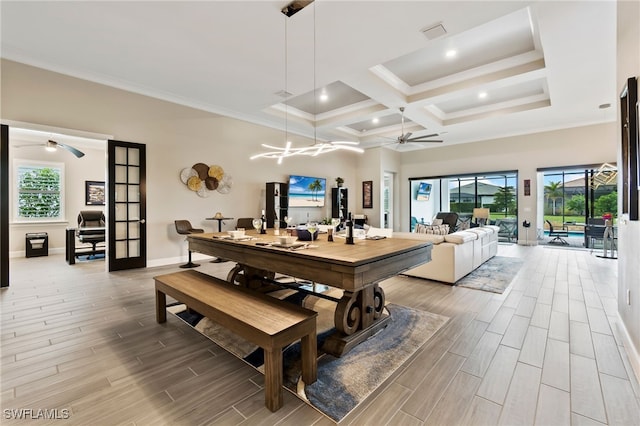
<point x="117" y="263"/>
<point x="4" y="205"/>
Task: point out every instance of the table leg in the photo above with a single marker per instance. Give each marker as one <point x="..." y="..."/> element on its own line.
<point x="358" y="316"/>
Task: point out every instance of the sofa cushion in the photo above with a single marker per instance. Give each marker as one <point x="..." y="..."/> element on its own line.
<point x="460" y="237"/>
<point x="432" y="238"/>
<point x="432" y="229"/>
<point x="481" y="232"/>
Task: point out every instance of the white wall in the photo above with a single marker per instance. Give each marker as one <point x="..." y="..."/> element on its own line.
<point x="629" y="231"/>
<point x="176" y="137"/>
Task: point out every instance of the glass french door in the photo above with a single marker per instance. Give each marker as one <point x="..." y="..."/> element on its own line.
<point x="126" y="197"/>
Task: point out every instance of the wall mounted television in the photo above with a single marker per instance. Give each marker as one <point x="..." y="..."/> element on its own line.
<point x="306" y="191"/>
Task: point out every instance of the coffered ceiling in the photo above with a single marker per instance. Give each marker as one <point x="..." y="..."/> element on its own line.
<point x="467" y="71"/>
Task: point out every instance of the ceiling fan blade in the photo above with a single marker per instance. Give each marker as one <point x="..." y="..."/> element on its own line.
<point x="425" y="140"/>
<point x="344" y="143"/>
<point x="421" y="137"/>
<point x="69" y="148"/>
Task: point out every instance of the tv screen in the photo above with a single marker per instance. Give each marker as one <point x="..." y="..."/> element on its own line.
<point x="424" y="191"/>
<point x="306" y="191"/>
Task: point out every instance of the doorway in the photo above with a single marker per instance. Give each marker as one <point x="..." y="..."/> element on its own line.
<point x="387" y="203"/>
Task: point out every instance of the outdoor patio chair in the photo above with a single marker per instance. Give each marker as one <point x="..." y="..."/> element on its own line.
<point x="557" y="235"/>
<point x="508" y="229"/>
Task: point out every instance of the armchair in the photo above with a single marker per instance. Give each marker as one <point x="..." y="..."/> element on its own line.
<point x="508" y="229"/>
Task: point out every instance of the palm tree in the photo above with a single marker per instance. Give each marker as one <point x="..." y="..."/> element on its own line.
<point x="553" y="192"/>
<point x="314" y="187"/>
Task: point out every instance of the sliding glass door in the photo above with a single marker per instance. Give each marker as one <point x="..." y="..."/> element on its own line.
<point x="496" y="191"/>
<point x="576" y="197"/>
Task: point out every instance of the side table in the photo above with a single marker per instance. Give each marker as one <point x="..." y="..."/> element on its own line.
<point x="219" y="219"/>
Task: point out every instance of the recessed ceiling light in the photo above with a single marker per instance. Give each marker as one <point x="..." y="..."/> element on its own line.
<point x="375" y="120"/>
<point x="451" y="53"/>
<point x="604" y="106"/>
<point x="324" y="97"/>
<point x="482" y="95"/>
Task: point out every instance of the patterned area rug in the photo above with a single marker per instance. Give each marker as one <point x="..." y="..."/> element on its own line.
<point x="344" y="382"/>
<point x="494" y="275"/>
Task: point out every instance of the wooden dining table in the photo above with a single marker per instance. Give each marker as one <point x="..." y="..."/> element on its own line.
<point x="355" y="268"/>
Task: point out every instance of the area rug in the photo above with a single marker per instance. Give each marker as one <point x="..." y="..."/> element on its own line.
<point x="343" y="383"/>
<point x="494" y="275"/>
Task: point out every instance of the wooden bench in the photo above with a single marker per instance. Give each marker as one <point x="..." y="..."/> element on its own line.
<point x="265" y="321"/>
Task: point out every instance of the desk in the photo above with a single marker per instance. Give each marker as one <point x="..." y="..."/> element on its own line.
<point x="91" y="235"/>
<point x="357" y="269"/>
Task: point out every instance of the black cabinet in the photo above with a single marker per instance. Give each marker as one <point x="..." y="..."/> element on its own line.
<point x="277" y="203"/>
<point x="339" y="202"/>
<point x="37" y="244"/>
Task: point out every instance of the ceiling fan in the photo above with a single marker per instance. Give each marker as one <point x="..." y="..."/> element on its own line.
<point x="406" y="137"/>
<point x="52" y="145"/>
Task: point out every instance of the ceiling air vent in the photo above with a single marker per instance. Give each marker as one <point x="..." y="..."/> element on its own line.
<point x="434" y="31"/>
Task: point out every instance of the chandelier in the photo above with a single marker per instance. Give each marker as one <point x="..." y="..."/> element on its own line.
<point x="317" y="148"/>
<point x="312" y="150"/>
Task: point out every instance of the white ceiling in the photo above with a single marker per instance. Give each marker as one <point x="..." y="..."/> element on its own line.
<point x="543" y="65"/>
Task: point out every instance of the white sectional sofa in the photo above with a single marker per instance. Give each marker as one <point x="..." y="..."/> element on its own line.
<point x="455" y="255"/>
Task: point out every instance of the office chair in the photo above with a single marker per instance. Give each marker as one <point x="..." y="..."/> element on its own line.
<point x="91" y="227"/>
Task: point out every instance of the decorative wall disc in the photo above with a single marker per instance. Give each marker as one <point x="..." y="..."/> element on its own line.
<point x="216" y="171"/>
<point x="203" y="192"/>
<point x="211" y="183"/>
<point x="224" y="186"/>
<point x="194" y="183"/>
<point x="186" y="173"/>
<point x="202" y="169"/>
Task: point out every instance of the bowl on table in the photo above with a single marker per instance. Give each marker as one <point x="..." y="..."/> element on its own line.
<point x="286" y="240"/>
<point x="236" y="234"/>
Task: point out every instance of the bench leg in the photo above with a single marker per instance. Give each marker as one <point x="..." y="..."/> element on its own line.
<point x="273" y="394"/>
<point x="309" y="358"/>
<point x="161" y="307"/>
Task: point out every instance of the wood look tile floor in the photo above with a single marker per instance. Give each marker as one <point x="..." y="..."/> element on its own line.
<point x="83" y="344"/>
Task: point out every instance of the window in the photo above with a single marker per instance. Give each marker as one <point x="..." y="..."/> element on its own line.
<point x="39" y="191"/>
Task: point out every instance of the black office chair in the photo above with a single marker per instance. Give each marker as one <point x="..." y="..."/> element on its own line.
<point x="91" y="227"/>
<point x="183" y="227"/>
<point x="557" y="235"/>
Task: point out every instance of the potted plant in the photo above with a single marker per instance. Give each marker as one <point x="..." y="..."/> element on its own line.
<point x="339" y="181"/>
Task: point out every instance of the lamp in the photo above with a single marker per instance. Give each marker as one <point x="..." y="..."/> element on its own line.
<point x="481" y="215"/>
<point x="317" y="148"/>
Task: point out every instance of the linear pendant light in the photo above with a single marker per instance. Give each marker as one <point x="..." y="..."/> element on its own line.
<point x="317" y="148"/>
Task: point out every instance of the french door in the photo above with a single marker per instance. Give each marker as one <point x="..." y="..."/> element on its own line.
<point x="126" y="198"/>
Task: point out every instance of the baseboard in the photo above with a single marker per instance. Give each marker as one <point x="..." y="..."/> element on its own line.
<point x="20" y="253"/>
<point x="630" y="349"/>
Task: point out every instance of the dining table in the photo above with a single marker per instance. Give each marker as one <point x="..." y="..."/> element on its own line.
<point x="356" y="268"/>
